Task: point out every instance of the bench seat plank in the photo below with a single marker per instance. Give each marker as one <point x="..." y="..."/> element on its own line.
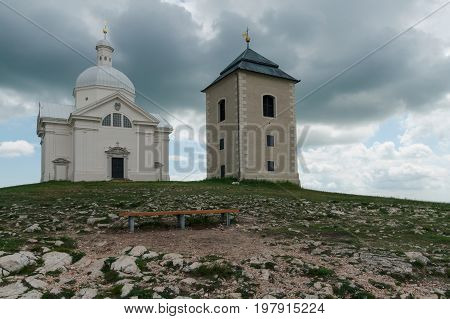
<point x="178" y="212"/>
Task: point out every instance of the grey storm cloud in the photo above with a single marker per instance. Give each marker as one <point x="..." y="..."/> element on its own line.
<point x="159" y="46"/>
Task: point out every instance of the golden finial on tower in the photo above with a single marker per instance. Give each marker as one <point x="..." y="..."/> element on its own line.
<point x="246" y="37"/>
<point x="105" y="29"/>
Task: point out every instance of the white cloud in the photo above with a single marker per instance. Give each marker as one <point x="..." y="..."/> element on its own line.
<point x="323" y="134"/>
<point x="412" y="171"/>
<point x="189" y="126"/>
<point x="432" y="126"/>
<point x="13" y="103"/>
<point x="16" y="148"/>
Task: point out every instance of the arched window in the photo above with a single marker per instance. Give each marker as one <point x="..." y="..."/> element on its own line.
<point x="117" y="120"/>
<point x="221" y="110"/>
<point x="126" y="122"/>
<point x="107" y="120"/>
<point x="268" y="106"/>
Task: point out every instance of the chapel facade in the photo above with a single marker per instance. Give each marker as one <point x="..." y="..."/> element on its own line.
<point x="105" y="135"/>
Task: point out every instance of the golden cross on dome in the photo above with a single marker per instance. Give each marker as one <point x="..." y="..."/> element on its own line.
<point x="246" y="37"/>
<point x="105" y="29"/>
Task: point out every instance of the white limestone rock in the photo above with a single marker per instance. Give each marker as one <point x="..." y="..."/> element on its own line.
<point x="95" y="269"/>
<point x="32" y="294"/>
<point x="172" y="259"/>
<point x="55" y="261"/>
<point x="36" y="283"/>
<point x="265" y="274"/>
<point x="33" y="228"/>
<point x="195" y="265"/>
<point x="172" y="256"/>
<point x="126" y="264"/>
<point x="95" y="220"/>
<point x="59" y="243"/>
<point x="188" y="282"/>
<point x="12" y="291"/>
<point x="137" y="251"/>
<point x="92" y="267"/>
<point x="86" y="293"/>
<point x="3" y="273"/>
<point x="297" y="262"/>
<point x="417" y="257"/>
<point x="156" y="296"/>
<point x="177" y="262"/>
<point x="126" y="289"/>
<point x="17" y="261"/>
<point x="150" y="255"/>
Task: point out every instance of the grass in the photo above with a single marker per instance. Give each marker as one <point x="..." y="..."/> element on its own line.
<point x="380" y="285"/>
<point x="65" y="293"/>
<point x="346" y="290"/>
<point x="141" y="293"/>
<point x="215" y="270"/>
<point x="110" y="276"/>
<point x="320" y="272"/>
<point x="11" y="244"/>
<point x="284" y="209"/>
<point x="114" y="292"/>
<point x="141" y="263"/>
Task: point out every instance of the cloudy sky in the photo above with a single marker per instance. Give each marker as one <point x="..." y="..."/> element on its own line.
<point x="382" y="128"/>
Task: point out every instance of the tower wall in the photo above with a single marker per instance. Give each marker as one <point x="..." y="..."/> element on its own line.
<point x="246" y="154"/>
<point x="225" y="89"/>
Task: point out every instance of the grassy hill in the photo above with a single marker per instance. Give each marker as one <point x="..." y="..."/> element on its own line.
<point x="286" y="242"/>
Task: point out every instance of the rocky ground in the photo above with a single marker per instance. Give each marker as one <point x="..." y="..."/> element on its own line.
<point x="65" y="240"/>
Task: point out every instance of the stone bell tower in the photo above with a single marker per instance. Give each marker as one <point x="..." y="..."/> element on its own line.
<point x="251" y="123"/>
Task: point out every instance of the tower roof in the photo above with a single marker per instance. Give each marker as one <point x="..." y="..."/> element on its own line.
<point x="252" y="61"/>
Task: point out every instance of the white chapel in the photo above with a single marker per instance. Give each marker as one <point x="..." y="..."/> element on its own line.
<point x="105" y="135"/>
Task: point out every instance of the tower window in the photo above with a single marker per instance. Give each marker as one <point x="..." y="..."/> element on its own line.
<point x="105" y="58"/>
<point x="270" y="166"/>
<point x="268" y="106"/>
<point x="270" y="140"/>
<point x="221" y="110"/>
<point x="126" y="122"/>
<point x="117" y="119"/>
<point x="107" y="120"/>
<point x="221" y="144"/>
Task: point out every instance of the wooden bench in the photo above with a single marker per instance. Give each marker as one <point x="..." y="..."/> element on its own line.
<point x="181" y="215"/>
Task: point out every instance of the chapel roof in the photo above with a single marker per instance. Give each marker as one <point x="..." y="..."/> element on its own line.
<point x="55" y="111"/>
<point x="252" y="61"/>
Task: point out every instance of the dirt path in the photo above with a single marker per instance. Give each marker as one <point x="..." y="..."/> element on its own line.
<point x="231" y="242"/>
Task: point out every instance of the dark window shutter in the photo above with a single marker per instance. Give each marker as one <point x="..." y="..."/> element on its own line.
<point x="221" y="110"/>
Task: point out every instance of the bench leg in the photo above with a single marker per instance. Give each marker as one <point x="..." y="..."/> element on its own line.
<point x="182" y="221"/>
<point x="223" y="218"/>
<point x="228" y="217"/>
<point x="131" y="224"/>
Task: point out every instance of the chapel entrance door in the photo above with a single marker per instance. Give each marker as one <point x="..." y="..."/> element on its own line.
<point x="117" y="167"/>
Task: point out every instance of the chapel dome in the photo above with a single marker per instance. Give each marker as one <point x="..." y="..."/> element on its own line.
<point x="104" y="75"/>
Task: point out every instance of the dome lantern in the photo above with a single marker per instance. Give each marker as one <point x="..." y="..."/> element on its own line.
<point x="104" y="50"/>
<point x="102" y="76"/>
